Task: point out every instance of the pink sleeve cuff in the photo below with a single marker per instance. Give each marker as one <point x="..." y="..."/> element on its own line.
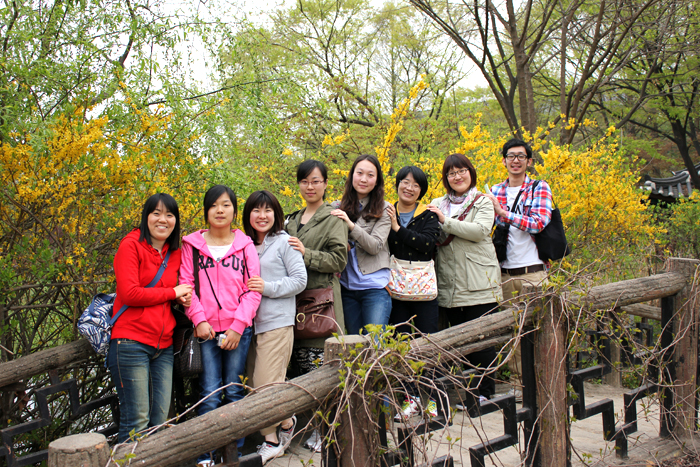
<point x="238" y="326"/>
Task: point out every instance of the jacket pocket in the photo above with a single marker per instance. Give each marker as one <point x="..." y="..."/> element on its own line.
<point x="482" y="274"/>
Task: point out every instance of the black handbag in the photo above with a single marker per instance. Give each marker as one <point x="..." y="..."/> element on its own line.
<point x="551" y="241"/>
<point x="499" y="237"/>
<point x="500" y="241"/>
<point x="187" y="355"/>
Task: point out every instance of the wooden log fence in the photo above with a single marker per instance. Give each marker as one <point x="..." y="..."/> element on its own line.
<point x="549" y="405"/>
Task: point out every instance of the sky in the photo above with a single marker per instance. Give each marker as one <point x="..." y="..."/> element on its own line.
<point x="256" y="12"/>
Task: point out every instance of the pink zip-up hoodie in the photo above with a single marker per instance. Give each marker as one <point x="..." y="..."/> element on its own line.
<point x="228" y="278"/>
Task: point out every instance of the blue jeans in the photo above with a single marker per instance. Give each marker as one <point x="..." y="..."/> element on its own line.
<point x="221" y="367"/>
<point x="143" y="376"/>
<point x="363" y="307"/>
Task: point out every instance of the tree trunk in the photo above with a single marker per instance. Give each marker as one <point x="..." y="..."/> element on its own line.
<point x="680" y="138"/>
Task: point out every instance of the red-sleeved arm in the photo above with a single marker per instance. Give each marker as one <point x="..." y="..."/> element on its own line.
<point x="195" y="312"/>
<point x="127" y="270"/>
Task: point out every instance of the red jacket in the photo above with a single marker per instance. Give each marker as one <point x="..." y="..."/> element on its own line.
<point x="148" y="319"/>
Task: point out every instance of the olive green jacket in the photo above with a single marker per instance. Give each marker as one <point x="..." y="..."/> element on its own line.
<point x="468" y="272"/>
<point x="325" y="239"/>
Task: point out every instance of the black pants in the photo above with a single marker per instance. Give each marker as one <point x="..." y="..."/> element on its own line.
<point x="483" y="358"/>
<point x="425" y="321"/>
<point x="426" y="315"/>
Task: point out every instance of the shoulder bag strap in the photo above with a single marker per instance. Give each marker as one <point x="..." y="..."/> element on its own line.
<point x="534" y="186"/>
<point x="210" y="284"/>
<point x="463" y="216"/>
<point x="155" y="280"/>
<point x="195" y="260"/>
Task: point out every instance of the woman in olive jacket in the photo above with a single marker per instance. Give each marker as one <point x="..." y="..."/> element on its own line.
<point x="469" y="276"/>
<point x="322" y="240"/>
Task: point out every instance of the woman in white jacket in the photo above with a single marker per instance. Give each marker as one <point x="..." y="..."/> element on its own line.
<point x="282" y="277"/>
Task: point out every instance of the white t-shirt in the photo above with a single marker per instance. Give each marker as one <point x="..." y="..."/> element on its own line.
<point x="522" y="250"/>
<point x="454" y="208"/>
<point x="218" y="252"/>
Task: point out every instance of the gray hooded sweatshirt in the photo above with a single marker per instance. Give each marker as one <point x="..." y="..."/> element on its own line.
<point x="282" y="268"/>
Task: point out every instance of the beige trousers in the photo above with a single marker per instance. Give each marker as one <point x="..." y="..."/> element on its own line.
<point x="268" y="358"/>
<point x="512" y="287"/>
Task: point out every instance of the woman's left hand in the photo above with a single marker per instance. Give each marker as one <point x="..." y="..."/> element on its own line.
<point x="232" y="340"/>
<point x="436" y="210"/>
<point x="256" y="284"/>
<point x="391" y="210"/>
<point x="295" y="243"/>
<point x="496" y="205"/>
<point x="186" y="299"/>
<point x="340" y="214"/>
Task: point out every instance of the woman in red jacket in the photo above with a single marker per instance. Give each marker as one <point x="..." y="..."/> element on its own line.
<point x="140" y="355"/>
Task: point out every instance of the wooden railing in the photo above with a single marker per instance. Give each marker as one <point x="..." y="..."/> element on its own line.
<point x="545" y="348"/>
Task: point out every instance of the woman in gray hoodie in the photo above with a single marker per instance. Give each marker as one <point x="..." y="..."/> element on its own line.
<point x="282" y="277"/>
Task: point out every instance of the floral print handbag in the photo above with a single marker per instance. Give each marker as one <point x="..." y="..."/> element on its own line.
<point x="412" y="280"/>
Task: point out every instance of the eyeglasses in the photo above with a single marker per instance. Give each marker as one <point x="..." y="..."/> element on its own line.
<point x="510" y="157"/>
<point x="460" y="172"/>
<point x="306" y="183"/>
<point x="406" y="184"/>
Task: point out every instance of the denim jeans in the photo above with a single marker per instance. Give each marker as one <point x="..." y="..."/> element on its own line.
<point x="363" y="307"/>
<point x="221" y="367"/>
<point x="143" y="376"/>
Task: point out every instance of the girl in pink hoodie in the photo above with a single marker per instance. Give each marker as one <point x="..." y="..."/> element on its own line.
<point x="217" y="263"/>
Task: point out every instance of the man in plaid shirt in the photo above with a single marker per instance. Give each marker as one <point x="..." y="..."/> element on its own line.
<point x="529" y="216"/>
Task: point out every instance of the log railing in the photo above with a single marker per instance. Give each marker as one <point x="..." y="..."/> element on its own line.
<point x="171" y="446"/>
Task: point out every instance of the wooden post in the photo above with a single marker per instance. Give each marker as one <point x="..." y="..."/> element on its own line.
<point x="550" y="376"/>
<point x="614" y="378"/>
<point x="84" y="450"/>
<point x="685" y="355"/>
<point x="356" y="431"/>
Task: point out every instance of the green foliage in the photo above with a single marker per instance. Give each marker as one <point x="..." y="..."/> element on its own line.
<point x="683" y="224"/>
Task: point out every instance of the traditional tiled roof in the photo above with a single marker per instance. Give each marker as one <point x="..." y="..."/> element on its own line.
<point x="676" y="186"/>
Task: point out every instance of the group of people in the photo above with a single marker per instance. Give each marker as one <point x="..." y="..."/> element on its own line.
<point x="239" y="287"/>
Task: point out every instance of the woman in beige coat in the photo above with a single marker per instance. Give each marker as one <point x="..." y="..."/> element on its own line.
<point x="469" y="277"/>
<point x="364" y="280"/>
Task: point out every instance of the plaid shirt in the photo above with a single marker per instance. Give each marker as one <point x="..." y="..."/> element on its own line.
<point x="536" y="214"/>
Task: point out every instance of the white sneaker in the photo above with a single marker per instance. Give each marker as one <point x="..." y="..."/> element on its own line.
<point x="314" y="442"/>
<point x="206" y="463"/>
<point x="285" y="436"/>
<point x="409" y="407"/>
<point x="268" y="451"/>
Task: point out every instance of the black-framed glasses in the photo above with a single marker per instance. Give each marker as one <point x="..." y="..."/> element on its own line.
<point x="512" y="156"/>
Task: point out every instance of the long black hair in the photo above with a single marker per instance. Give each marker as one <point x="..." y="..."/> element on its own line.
<point x="169" y="204"/>
<point x="375" y="205"/>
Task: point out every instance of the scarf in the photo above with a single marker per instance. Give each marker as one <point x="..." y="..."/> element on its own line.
<point x="465" y="200"/>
